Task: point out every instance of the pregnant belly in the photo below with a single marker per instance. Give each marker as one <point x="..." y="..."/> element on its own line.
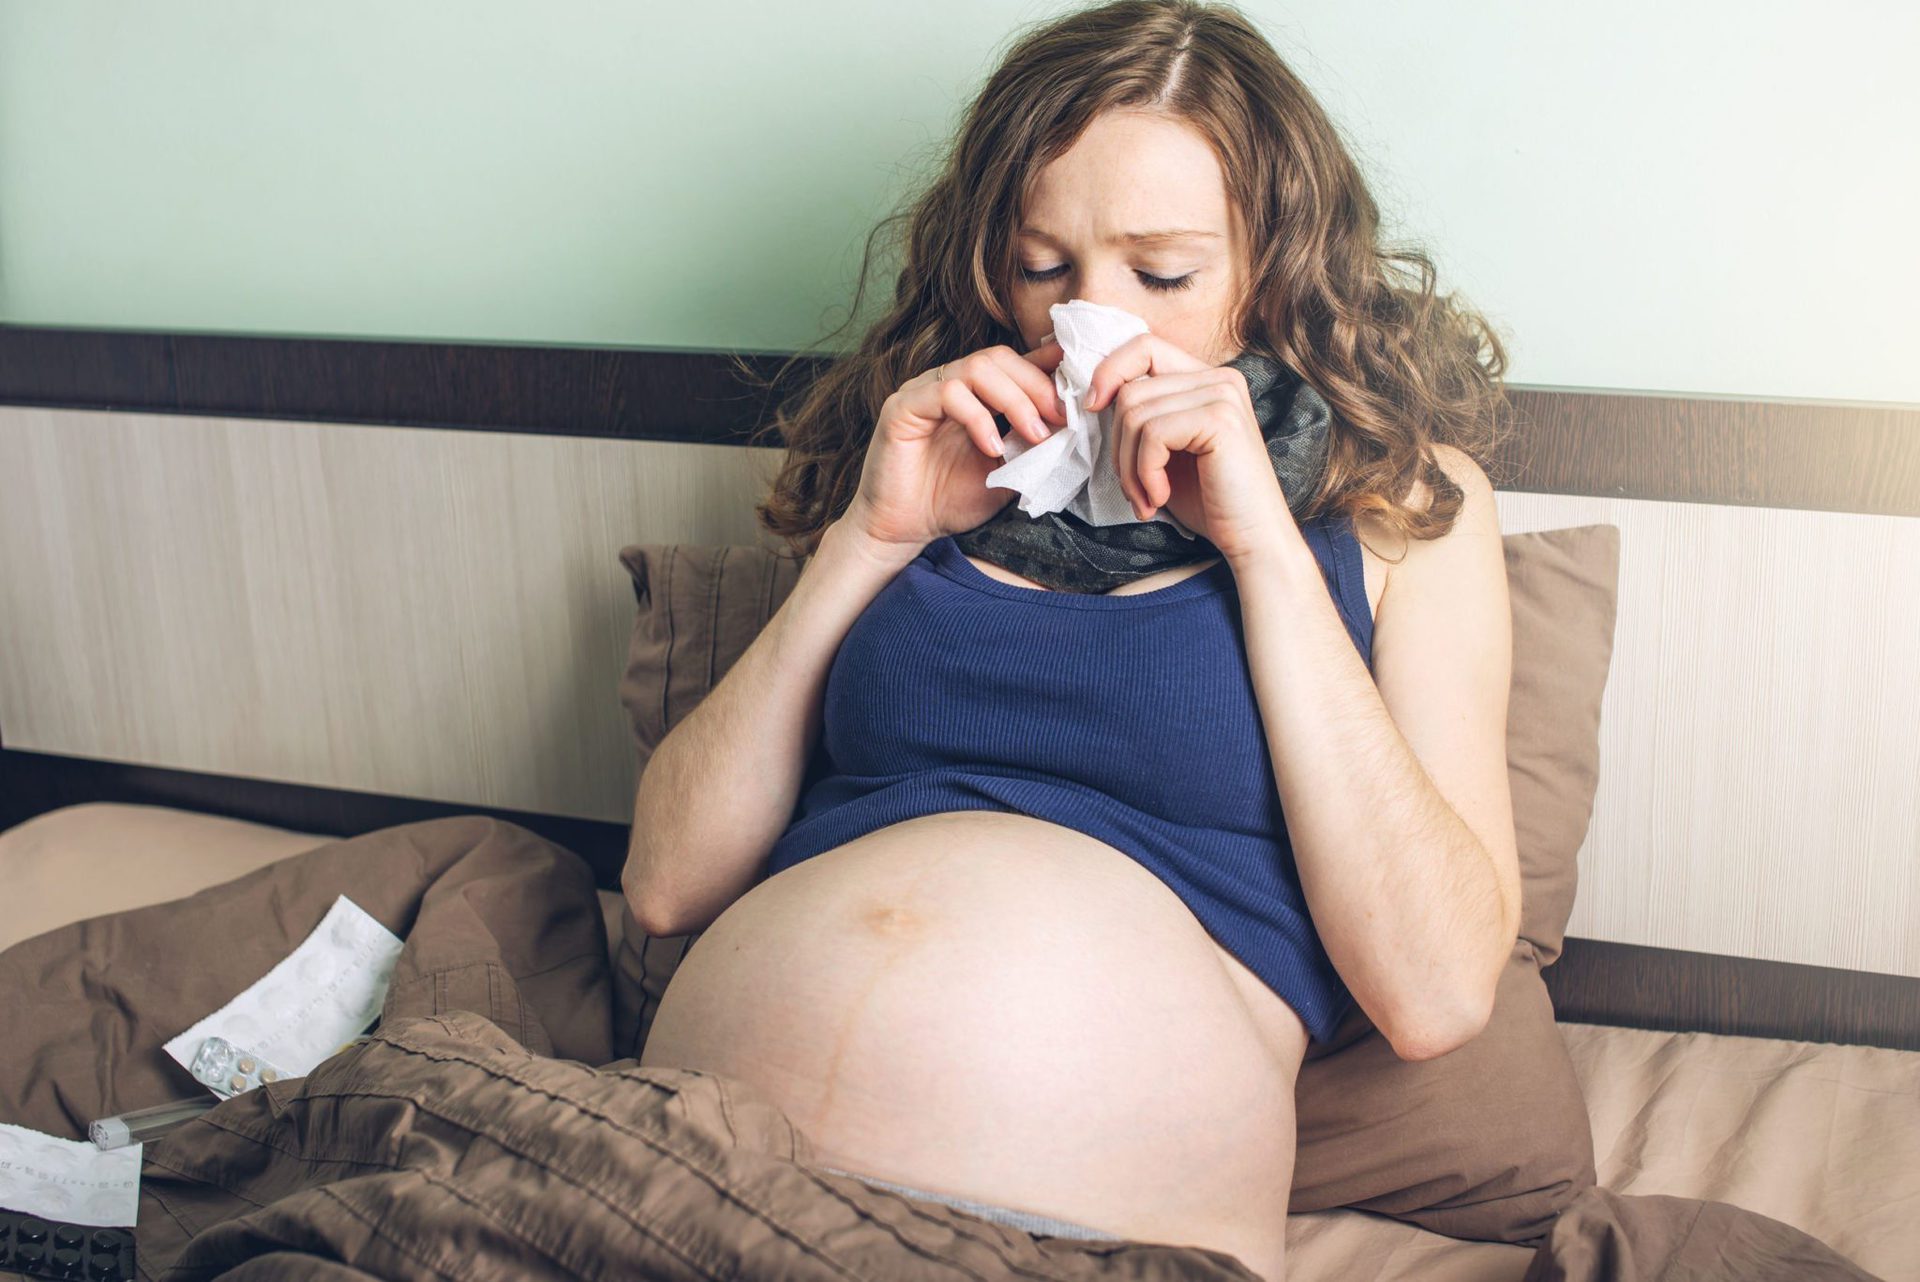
<point x="995" y="1006"/>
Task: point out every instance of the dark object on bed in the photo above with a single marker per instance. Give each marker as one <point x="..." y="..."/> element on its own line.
<point x="38" y="1247"/>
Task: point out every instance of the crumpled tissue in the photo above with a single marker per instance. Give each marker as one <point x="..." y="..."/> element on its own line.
<point x="1073" y="470"/>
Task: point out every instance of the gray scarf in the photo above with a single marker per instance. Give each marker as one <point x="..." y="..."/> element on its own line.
<point x="1063" y="552"/>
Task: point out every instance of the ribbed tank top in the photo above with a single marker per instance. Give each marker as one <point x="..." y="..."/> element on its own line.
<point x="1130" y="718"/>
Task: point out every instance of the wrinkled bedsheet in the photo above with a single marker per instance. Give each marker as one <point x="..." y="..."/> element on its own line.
<point x="483" y="1131"/>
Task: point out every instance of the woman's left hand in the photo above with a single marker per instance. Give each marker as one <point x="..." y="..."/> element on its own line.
<point x="1185" y="438"/>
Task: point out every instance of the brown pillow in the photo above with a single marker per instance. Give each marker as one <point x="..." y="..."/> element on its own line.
<point x="1563" y="585"/>
<point x="700" y="608"/>
<point x="1487" y="1142"/>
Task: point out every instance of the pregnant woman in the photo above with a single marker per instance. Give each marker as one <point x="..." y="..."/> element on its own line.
<point x="1025" y="856"/>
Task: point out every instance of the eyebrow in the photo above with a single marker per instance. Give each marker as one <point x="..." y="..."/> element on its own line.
<point x="1138" y="237"/>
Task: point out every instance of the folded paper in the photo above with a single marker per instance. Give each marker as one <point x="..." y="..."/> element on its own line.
<point x="71" y="1180"/>
<point x="314" y="1000"/>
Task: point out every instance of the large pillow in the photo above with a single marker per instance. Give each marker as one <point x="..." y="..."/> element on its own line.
<point x="1488" y="1142"/>
<point x="1563" y="585"/>
<point x="700" y="608"/>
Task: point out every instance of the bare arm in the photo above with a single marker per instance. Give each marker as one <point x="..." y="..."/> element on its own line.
<point x="1394" y="783"/>
<point x="721" y="787"/>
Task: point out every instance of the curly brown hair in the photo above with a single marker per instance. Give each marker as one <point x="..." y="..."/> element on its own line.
<point x="1402" y="368"/>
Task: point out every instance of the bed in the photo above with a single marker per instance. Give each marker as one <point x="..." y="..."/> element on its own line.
<point x="1819" y="1135"/>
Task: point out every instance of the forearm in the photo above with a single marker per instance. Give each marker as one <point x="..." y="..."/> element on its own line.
<point x="722" y="785"/>
<point x="1403" y="894"/>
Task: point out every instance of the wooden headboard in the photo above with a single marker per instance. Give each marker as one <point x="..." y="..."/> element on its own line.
<point x="337" y="585"/>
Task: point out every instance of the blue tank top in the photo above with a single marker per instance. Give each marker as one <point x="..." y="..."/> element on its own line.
<point x="1130" y="718"/>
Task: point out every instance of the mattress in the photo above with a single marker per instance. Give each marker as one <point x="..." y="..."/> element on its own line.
<point x="1824" y="1137"/>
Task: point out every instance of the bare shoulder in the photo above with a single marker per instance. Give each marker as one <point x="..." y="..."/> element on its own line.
<point x="1388" y="553"/>
<point x="1464" y="472"/>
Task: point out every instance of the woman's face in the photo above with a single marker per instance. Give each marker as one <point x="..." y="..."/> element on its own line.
<point x="1134" y="172"/>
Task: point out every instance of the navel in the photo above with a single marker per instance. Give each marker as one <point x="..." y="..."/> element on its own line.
<point x="891" y="920"/>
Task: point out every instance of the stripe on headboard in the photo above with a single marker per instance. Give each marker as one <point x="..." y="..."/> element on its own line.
<point x="1828" y="456"/>
<point x="1605" y="982"/>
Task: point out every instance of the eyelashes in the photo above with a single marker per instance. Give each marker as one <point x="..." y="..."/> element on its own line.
<point x="1162" y="283"/>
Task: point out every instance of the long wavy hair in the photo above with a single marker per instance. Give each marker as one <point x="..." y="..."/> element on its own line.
<point x="1402" y="367"/>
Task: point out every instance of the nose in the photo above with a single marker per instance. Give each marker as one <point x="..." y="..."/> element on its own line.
<point x="1099" y="298"/>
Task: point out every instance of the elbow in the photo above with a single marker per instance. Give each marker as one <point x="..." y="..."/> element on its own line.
<point x="649" y="916"/>
<point x="639" y="886"/>
<point x="643" y="903"/>
<point x="1440" y="1032"/>
<point x="651" y="923"/>
<point x="664" y="916"/>
<point x="1442" y="1024"/>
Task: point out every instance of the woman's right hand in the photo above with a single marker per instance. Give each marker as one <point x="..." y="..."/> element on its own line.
<point x="925" y="470"/>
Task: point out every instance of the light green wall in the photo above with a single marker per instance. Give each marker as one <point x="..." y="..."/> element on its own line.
<point x="1711" y="197"/>
<point x="571" y="171"/>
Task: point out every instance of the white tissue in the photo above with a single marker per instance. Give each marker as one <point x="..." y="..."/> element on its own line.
<point x="1072" y="470"/>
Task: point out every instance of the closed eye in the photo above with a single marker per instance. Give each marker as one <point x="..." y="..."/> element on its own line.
<point x="1146" y="278"/>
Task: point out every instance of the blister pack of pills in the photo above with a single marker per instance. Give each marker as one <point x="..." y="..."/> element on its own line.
<point x="228" y="1070"/>
<point x="37" y="1247"/>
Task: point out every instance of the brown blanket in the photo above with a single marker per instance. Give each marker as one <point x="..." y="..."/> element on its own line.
<point x="482" y="1131"/>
